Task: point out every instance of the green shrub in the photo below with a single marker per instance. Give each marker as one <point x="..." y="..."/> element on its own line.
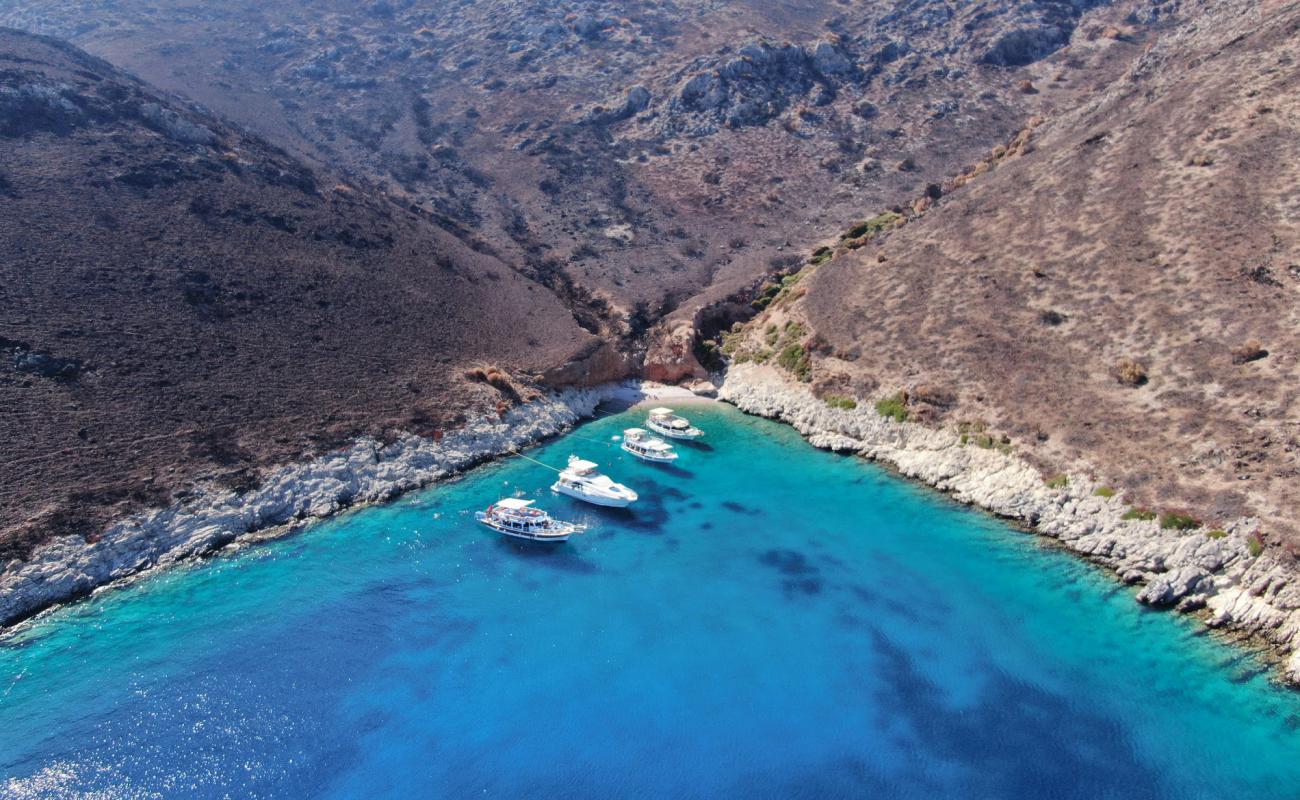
<point x="872" y="227"/>
<point x="821" y="255"/>
<point x="709" y="355"/>
<point x="1216" y="534"/>
<point x="1103" y="491"/>
<point x="795" y="359"/>
<point x="839" y="401"/>
<point x="1173" y="521"/>
<point x="790" y="356"/>
<point x="893" y="407"/>
<point x="783" y="289"/>
<point x="1254" y="545"/>
<point x="1139" y="513"/>
<point x="766" y="295"/>
<point x="1058" y="481"/>
<point x="772" y="335"/>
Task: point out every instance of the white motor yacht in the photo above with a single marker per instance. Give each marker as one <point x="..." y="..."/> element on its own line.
<point x="581" y="480"/>
<point x="641" y="444"/>
<point x="516" y="517"/>
<point x="666" y="422"/>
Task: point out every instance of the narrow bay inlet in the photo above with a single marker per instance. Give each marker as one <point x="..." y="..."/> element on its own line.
<point x="649" y="399"/>
<point x="774" y="619"/>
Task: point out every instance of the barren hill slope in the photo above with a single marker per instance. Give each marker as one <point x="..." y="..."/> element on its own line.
<point x="640" y="157"/>
<point x="179" y="300"/>
<point x="1119" y="291"/>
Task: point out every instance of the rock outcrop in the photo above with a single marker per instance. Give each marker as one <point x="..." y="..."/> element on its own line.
<point x="670" y="357"/>
<point x="754" y="85"/>
<point x="1244" y="591"/>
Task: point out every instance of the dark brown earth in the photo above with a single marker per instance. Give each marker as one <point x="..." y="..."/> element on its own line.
<point x="180" y="302"/>
<point x="1118" y="294"/>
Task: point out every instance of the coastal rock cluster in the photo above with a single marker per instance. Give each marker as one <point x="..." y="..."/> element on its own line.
<point x="369" y="471"/>
<point x="1244" y="592"/>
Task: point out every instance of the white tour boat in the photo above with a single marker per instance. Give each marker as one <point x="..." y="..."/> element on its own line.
<point x="666" y="422"/>
<point x="516" y="517"/>
<point x="581" y="480"/>
<point x="641" y="444"/>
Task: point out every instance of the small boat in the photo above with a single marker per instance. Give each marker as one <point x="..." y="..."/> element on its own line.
<point x="516" y="517"/>
<point x="666" y="422"/>
<point x="641" y="444"/>
<point x="581" y="480"/>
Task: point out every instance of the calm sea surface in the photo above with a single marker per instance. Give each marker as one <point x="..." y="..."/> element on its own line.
<point x="769" y="621"/>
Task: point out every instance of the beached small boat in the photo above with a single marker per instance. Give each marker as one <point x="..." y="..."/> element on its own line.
<point x="641" y="444"/>
<point x="516" y="517"/>
<point x="666" y="422"/>
<point x="580" y="480"/>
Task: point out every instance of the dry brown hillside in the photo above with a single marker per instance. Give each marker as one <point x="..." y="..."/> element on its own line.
<point x="1120" y="292"/>
<point x="180" y="301"/>
<point x="632" y="154"/>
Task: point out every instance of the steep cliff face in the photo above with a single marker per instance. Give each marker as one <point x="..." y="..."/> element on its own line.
<point x="1116" y="288"/>
<point x="180" y="301"/>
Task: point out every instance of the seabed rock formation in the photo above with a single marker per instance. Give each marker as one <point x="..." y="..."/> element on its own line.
<point x="369" y="471"/>
<point x="1242" y="593"/>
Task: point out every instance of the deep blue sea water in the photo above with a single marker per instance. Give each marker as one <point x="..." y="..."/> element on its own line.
<point x="770" y="621"/>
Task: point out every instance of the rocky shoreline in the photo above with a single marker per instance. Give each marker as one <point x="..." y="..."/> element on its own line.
<point x="366" y="472"/>
<point x="1234" y="590"/>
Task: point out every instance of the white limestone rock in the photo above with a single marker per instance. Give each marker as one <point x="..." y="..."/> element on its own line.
<point x="365" y="472"/>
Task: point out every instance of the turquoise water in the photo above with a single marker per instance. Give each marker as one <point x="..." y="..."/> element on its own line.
<point x="770" y="621"/>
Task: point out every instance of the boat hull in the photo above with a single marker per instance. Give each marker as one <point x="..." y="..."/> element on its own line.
<point x="554" y="535"/>
<point x="647" y="457"/>
<point x="595" y="500"/>
<point x="674" y="433"/>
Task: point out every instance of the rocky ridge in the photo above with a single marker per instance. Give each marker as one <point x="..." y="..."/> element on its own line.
<point x="1241" y="591"/>
<point x="369" y="471"/>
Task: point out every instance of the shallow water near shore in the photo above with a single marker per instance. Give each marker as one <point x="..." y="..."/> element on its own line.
<point x="769" y="621"/>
